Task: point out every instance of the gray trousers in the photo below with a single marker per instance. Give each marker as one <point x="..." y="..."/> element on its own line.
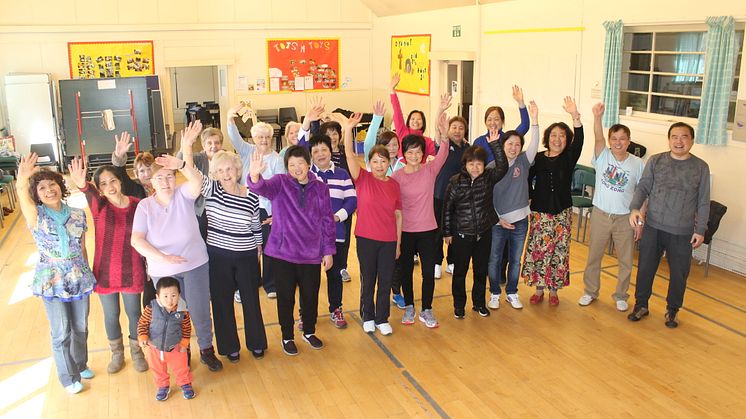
<point x="68" y="322"/>
<point x="110" y="304"/>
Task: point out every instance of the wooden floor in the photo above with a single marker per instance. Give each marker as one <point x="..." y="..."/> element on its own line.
<point x="537" y="362"/>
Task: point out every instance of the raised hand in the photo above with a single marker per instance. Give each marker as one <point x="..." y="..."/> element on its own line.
<point x="256" y="165"/>
<point x="233" y="111"/>
<point x="599" y="109"/>
<point x="493" y="135"/>
<point x="169" y="162"/>
<point x="445" y="102"/>
<point x="533" y="111"/>
<point x="518" y="96"/>
<point x="394" y="81"/>
<point x="78" y="170"/>
<point x="570" y="107"/>
<point x="443" y="126"/>
<point x="191" y="133"/>
<point x="352" y="121"/>
<point x="316" y="109"/>
<point x="122" y="143"/>
<point x="379" y="108"/>
<point x="27" y="166"/>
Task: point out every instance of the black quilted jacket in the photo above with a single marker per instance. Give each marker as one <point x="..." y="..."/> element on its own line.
<point x="468" y="208"/>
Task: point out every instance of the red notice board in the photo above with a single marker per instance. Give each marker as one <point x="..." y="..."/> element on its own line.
<point x="302" y="64"/>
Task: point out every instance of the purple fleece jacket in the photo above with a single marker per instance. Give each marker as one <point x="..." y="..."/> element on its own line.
<point x="303" y="228"/>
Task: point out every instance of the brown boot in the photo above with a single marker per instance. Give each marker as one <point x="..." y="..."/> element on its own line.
<point x="117" y="356"/>
<point x="138" y="358"/>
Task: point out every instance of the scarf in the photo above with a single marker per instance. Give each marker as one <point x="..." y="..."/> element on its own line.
<point x="60" y="219"/>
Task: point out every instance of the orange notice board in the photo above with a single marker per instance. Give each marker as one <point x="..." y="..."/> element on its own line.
<point x="97" y="60"/>
<point x="302" y="64"/>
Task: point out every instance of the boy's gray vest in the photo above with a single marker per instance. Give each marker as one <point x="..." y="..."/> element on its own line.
<point x="165" y="327"/>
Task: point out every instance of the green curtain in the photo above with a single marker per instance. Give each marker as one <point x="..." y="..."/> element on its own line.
<point x="720" y="65"/>
<point x="612" y="70"/>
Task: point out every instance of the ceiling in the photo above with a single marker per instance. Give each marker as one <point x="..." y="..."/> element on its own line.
<point x="399" y="7"/>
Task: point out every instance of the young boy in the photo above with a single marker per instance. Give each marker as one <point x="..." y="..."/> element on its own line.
<point x="344" y="202"/>
<point x="165" y="328"/>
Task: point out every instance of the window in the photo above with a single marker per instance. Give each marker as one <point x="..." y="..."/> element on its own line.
<point x="663" y="72"/>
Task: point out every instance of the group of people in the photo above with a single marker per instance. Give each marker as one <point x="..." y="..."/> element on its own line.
<point x="178" y="255"/>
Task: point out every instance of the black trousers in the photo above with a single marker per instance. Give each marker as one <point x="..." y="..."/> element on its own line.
<point x="148" y="292"/>
<point x="346" y="248"/>
<point x="438" y="204"/>
<point x="268" y="277"/>
<point x="679" y="255"/>
<point x="377" y="260"/>
<point x="422" y="242"/>
<point x="231" y="271"/>
<point x="289" y="277"/>
<point x="202" y="223"/>
<point x="334" y="278"/>
<point x="475" y="249"/>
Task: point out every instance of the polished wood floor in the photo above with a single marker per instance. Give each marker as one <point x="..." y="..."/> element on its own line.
<point x="537" y="362"/>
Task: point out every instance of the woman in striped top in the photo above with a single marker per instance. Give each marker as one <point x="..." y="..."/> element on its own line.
<point x="234" y="244"/>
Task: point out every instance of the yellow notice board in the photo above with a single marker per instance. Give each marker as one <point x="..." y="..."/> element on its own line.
<point x="410" y="57"/>
<point x="95" y="60"/>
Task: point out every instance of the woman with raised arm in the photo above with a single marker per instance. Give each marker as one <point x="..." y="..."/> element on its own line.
<point x="118" y="268"/>
<point x="419" y="227"/>
<point x="378" y="229"/>
<point x="261" y="134"/>
<point x="494" y="119"/>
<point x="234" y="245"/>
<point x="415" y="124"/>
<point x="165" y="231"/>
<point x="62" y="277"/>
<point x="510" y="200"/>
<point x="547" y="260"/>
<point x="388" y="139"/>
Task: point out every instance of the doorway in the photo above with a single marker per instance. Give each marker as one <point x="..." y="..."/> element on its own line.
<point x="459" y="82"/>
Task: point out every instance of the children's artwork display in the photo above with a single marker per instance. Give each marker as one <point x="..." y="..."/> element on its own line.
<point x="303" y="64"/>
<point x="410" y="57"/>
<point x="97" y="60"/>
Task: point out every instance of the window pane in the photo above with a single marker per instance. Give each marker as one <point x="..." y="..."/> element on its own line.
<point x="731" y="111"/>
<point x="638" y="41"/>
<point x="639" y="82"/>
<point x="739" y="40"/>
<point x="680" y="63"/>
<point x="678" y="85"/>
<point x="637" y="101"/>
<point x="681" y="41"/>
<point x="639" y="62"/>
<point x="675" y="106"/>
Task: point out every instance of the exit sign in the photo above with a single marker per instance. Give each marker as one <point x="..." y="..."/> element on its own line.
<point x="457" y="31"/>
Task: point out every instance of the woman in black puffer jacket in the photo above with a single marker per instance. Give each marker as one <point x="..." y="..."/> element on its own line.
<point x="468" y="217"/>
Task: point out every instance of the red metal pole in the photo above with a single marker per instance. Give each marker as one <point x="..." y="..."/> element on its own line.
<point x="134" y="122"/>
<point x="81" y="143"/>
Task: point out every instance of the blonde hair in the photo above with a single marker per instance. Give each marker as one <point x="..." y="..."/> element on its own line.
<point x="222" y="157"/>
<point x="287" y="129"/>
<point x="144" y="158"/>
<point x="210" y="132"/>
<point x="262" y="126"/>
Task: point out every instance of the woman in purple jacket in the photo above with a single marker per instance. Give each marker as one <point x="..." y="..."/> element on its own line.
<point x="303" y="236"/>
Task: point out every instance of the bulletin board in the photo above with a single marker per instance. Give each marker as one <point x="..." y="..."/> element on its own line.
<point x="295" y="65"/>
<point x="410" y="57"/>
<point x="97" y="60"/>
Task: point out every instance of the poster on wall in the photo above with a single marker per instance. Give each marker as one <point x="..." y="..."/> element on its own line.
<point x="303" y="64"/>
<point x="95" y="60"/>
<point x="410" y="57"/>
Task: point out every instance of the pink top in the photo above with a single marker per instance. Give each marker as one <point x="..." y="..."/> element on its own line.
<point x="417" y="190"/>
<point x="377" y="201"/>
<point x="402" y="130"/>
<point x="173" y="230"/>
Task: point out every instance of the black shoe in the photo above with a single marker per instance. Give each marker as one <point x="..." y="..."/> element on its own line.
<point x="288" y="346"/>
<point x="482" y="311"/>
<point x="257" y="353"/>
<point x="671" y="322"/>
<point x="315" y="342"/>
<point x="459" y="313"/>
<point x="207" y="357"/>
<point x="234" y="358"/>
<point x="638" y="313"/>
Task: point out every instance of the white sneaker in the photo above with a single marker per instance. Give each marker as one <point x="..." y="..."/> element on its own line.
<point x="494" y="301"/>
<point x="514" y="301"/>
<point x="346" y="277"/>
<point x="585" y="300"/>
<point x="416" y="259"/>
<point x="271" y="294"/>
<point x="237" y="297"/>
<point x="622" y="305"/>
<point x="437" y="272"/>
<point x="385" y="329"/>
<point x="449" y="268"/>
<point x="369" y="326"/>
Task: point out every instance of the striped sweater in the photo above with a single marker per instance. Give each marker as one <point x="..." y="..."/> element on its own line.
<point x="116" y="264"/>
<point x="232" y="221"/>
<point x="342" y="193"/>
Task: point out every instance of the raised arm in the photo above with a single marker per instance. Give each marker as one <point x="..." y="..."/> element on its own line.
<point x="533" y="146"/>
<point x="78" y="170"/>
<point x="243" y="148"/>
<point x="121" y="146"/>
<point x="522" y="128"/>
<point x="347" y="126"/>
<point x="598" y="129"/>
<point x="501" y="160"/>
<point x="370" y="138"/>
<point x="26" y="168"/>
<point x="188" y="136"/>
<point x="576" y="147"/>
<point x="399" y="124"/>
<point x="440" y="158"/>
<point x="313" y="114"/>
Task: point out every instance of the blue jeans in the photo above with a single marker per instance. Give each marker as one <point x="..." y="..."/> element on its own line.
<point x="515" y="240"/>
<point x="68" y="322"/>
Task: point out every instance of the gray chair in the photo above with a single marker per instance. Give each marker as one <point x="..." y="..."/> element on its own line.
<point x="717" y="211"/>
<point x="45" y="150"/>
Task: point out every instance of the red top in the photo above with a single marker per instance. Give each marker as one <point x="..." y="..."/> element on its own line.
<point x="402" y="130"/>
<point x="377" y="201"/>
<point x="116" y="264"/>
